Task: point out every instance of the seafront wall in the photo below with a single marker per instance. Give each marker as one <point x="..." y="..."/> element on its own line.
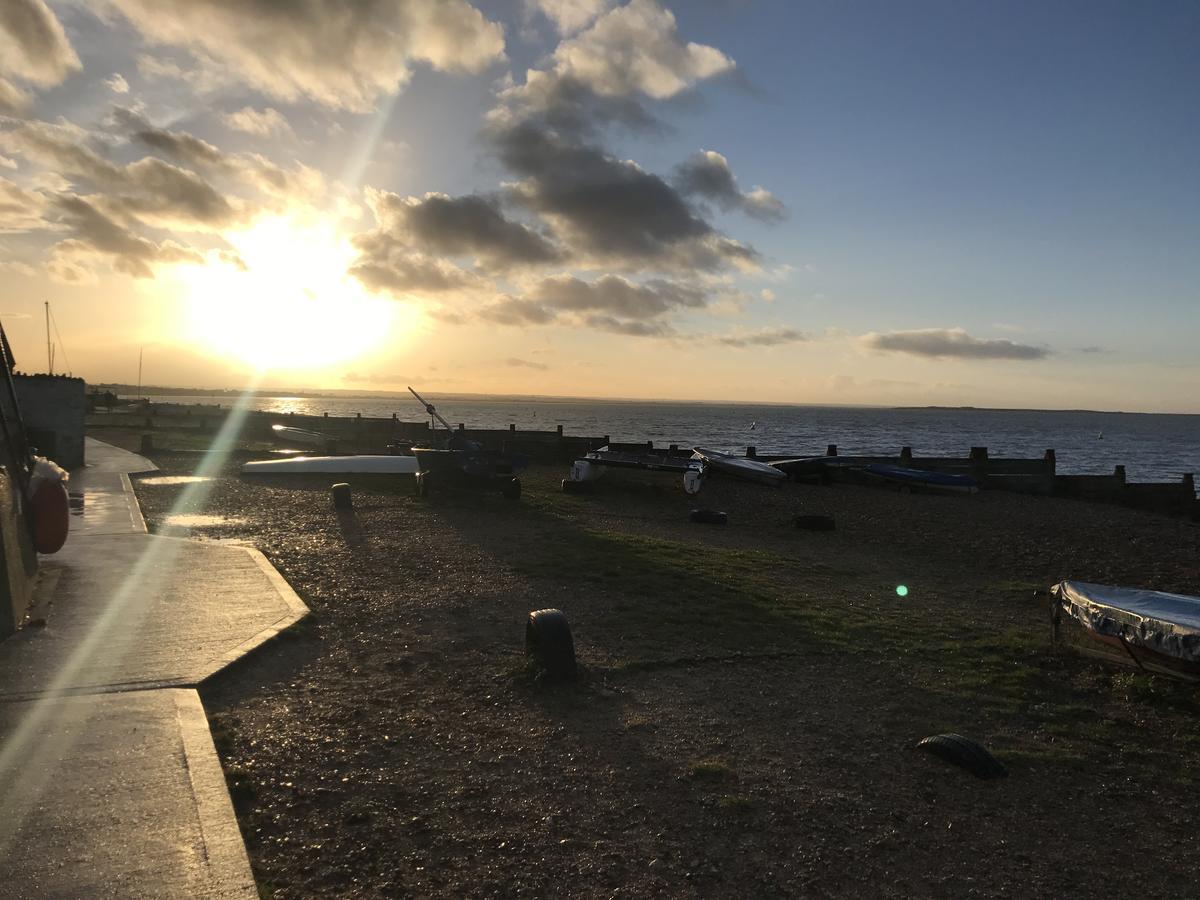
<point x="361" y="434"/>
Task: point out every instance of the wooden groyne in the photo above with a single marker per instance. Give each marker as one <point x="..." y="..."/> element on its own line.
<point x="363" y="434"/>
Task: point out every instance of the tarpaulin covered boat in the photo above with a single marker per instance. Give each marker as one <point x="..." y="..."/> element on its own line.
<point x="1152" y="630"/>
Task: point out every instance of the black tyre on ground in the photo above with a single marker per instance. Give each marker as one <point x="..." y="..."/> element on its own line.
<point x="548" y="643"/>
<point x="965" y="753"/>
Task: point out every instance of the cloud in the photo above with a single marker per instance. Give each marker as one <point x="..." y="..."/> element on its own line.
<point x="246" y="170"/>
<point x="13" y="100"/>
<point x="469" y="226"/>
<point x="20" y="210"/>
<point x="117" y="83"/>
<point x="96" y="235"/>
<point x="570" y="16"/>
<point x="940" y="343"/>
<point x="707" y="174"/>
<point x="615" y="296"/>
<point x="260" y="123"/>
<point x="764" y="337"/>
<point x="611" y="212"/>
<point x="342" y="55"/>
<point x="33" y="45"/>
<point x="515" y="311"/>
<point x="630" y="329"/>
<point x="637" y="49"/>
<point x="149" y="189"/>
<point x="384" y="266"/>
<point x="515" y="363"/>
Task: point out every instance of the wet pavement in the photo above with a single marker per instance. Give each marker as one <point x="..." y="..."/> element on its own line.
<point x="107" y="787"/>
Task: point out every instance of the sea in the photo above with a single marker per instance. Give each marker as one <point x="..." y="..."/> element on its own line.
<point x="1151" y="446"/>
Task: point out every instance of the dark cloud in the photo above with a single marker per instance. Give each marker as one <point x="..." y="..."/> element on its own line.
<point x="337" y="53"/>
<point x="384" y="266"/>
<point x="149" y="189"/>
<point x="472" y="225"/>
<point x="616" y="296"/>
<point x="707" y="174"/>
<point x="631" y="329"/>
<point x="766" y="337"/>
<point x="950" y="343"/>
<point x="515" y="311"/>
<point x="609" y="211"/>
<point x="33" y="45"/>
<point x="93" y="234"/>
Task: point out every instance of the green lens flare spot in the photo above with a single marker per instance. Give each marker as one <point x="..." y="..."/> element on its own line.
<point x="902" y="590"/>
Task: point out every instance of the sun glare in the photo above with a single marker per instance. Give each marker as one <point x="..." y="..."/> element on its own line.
<point x="292" y="306"/>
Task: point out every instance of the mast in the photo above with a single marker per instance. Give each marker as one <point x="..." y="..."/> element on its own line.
<point x="141" y="350"/>
<point x="49" y="349"/>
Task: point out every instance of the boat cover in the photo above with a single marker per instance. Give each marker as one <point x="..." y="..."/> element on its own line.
<point x="1165" y="623"/>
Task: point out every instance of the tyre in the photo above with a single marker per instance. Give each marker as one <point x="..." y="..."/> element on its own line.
<point x="709" y="516"/>
<point x="965" y="753"/>
<point x="548" y="643"/>
<point x="814" y="523"/>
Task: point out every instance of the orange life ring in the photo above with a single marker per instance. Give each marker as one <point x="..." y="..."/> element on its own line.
<point x="51" y="516"/>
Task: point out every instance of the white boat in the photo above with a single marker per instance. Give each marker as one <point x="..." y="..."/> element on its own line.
<point x="740" y="466"/>
<point x="333" y="465"/>
<point x="288" y="434"/>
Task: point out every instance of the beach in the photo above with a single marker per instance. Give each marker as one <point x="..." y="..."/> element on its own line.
<point x="748" y="703"/>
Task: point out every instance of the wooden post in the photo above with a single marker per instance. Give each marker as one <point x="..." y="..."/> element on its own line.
<point x="1119" y="473"/>
<point x="751" y="452"/>
<point x="1051" y="462"/>
<point x="905" y="455"/>
<point x="560" y="434"/>
<point x="512" y="427"/>
<point x="673" y="448"/>
<point x="1189" y="484"/>
<point x="831" y="450"/>
<point x="649" y="445"/>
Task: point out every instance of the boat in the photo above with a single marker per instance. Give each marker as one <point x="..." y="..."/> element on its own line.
<point x="460" y="462"/>
<point x="333" y="465"/>
<point x="739" y="466"/>
<point x="596" y="463"/>
<point x="922" y="478"/>
<point x="1153" y="631"/>
<point x="288" y="434"/>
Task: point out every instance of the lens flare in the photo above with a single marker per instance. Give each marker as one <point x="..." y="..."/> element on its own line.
<point x="902" y="590"/>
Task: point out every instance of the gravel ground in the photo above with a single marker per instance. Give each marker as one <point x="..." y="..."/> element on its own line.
<point x="749" y="699"/>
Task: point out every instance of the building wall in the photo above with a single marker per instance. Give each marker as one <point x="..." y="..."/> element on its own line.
<point x="18" y="562"/>
<point x="53" y="408"/>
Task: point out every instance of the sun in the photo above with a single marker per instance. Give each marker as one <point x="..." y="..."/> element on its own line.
<point x="286" y="300"/>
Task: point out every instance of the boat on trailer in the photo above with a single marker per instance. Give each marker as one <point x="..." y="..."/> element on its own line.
<point x="1154" y="631"/>
<point x="593" y="465"/>
<point x="740" y="467"/>
<point x="904" y="476"/>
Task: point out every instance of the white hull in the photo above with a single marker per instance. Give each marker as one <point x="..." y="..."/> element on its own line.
<point x="333" y="465"/>
<point x="302" y="436"/>
<point x="741" y="467"/>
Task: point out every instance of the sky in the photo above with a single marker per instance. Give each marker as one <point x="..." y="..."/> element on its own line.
<point x="928" y="202"/>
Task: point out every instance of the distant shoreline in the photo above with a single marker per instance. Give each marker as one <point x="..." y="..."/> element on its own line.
<point x="130" y="390"/>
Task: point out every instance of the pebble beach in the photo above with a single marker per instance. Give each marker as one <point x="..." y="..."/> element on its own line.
<point x="748" y="704"/>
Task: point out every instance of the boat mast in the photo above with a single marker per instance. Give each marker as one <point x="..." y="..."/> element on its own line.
<point x="141" y="350"/>
<point x="49" y="347"/>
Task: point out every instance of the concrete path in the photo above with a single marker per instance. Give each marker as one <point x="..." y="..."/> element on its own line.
<point x="107" y="787"/>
